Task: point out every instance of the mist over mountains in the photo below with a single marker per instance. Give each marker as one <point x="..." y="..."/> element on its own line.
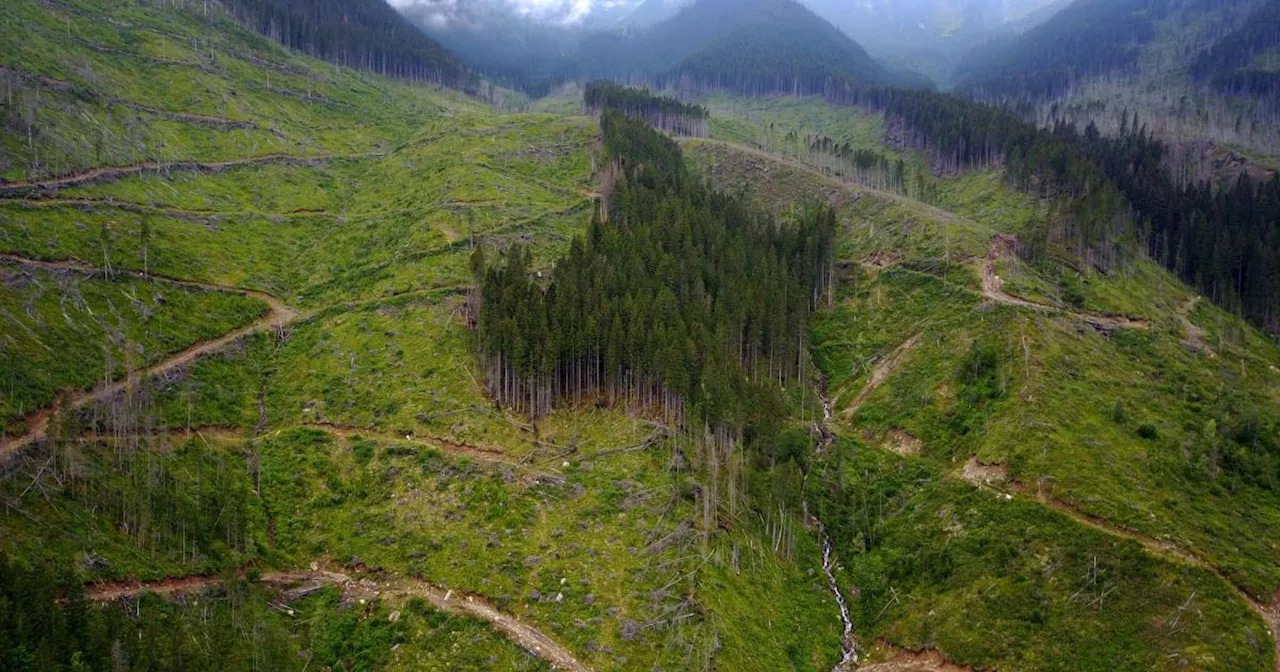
<point x="525" y="39"/>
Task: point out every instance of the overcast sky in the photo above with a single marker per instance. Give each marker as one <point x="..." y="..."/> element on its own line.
<point x="560" y="11"/>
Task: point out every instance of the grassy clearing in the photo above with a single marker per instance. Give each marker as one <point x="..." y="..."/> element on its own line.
<point x="767" y="123"/>
<point x="64" y="331"/>
<point x="607" y="560"/>
<point x="1136" y="428"/>
<point x="130" y="84"/>
<point x="1009" y="583"/>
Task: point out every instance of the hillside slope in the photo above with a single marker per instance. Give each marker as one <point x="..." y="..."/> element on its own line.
<point x="155" y="196"/>
<point x="946" y="353"/>
<point x="1170" y="62"/>
<point x="247" y="425"/>
<point x="931" y="36"/>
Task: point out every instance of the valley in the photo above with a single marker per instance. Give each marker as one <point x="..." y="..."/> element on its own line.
<point x="248" y="418"/>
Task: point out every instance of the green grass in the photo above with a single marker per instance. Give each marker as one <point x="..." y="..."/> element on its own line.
<point x="1011" y="584"/>
<point x="180" y="62"/>
<point x="375" y="251"/>
<point x="1053" y="416"/>
<point x="64" y="331"/>
<point x="144" y="508"/>
<point x="1133" y="427"/>
<point x="603" y="560"/>
<point x="766" y="123"/>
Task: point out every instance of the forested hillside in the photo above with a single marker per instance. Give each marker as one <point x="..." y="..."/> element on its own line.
<point x="661" y="112"/>
<point x="242" y="412"/>
<point x="1246" y="61"/>
<point x="931" y="36"/>
<point x="735" y="292"/>
<point x="362" y="34"/>
<point x="1170" y="62"/>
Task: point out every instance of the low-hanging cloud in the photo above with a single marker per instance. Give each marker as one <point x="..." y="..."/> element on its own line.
<point x="441" y="13"/>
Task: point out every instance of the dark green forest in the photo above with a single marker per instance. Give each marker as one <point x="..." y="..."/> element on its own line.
<point x="362" y="34"/>
<point x="1088" y="38"/>
<point x="801" y="56"/>
<point x="1223" y="241"/>
<point x="661" y="112"/>
<point x="1229" y="65"/>
<point x="680" y="302"/>
<point x="48" y="624"/>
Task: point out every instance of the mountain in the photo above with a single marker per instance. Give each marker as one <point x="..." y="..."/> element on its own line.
<point x="1246" y="62"/>
<point x="632" y="14"/>
<point x="778" y="47"/>
<point x="491" y="39"/>
<point x="728" y="35"/>
<point x="1168" y="61"/>
<point x="931" y="36"/>
<point x="307" y="367"/>
<point x="704" y="40"/>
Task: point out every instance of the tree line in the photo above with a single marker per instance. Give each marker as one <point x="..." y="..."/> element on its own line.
<point x="360" y="34"/>
<point x="1224" y="241"/>
<point x="1231" y="66"/>
<point x="680" y="303"/>
<point x="661" y="112"/>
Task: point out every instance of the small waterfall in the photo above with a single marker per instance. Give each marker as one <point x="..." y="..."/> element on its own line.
<point x="848" y="641"/>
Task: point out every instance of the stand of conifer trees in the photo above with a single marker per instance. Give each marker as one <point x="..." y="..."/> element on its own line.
<point x="661" y="112"/>
<point x="361" y="34"/>
<point x="681" y="303"/>
<point x="1224" y="241"/>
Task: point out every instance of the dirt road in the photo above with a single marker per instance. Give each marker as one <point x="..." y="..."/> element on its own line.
<point x="993" y="290"/>
<point x="526" y="636"/>
<point x="110" y="173"/>
<point x="1164" y="549"/>
<point x="278" y="317"/>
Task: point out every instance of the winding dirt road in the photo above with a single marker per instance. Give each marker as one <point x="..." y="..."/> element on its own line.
<point x="147" y="209"/>
<point x="110" y="173"/>
<point x="1163" y="549"/>
<point x="993" y="290"/>
<point x="488" y="456"/>
<point x="297" y="584"/>
<point x="278" y="317"/>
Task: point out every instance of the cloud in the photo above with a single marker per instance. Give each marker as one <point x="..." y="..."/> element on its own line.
<point x="443" y="12"/>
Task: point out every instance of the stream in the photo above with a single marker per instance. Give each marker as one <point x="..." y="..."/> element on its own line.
<point x="848" y="641"/>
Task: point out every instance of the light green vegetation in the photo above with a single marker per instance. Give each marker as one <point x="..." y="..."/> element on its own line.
<point x="1140" y="428"/>
<point x="608" y="557"/>
<point x="564" y="101"/>
<point x="67" y="331"/>
<point x="1133" y="427"/>
<point x="143" y="507"/>
<point x="126" y="84"/>
<point x="586" y="525"/>
<point x="346" y="230"/>
<point x="1010" y="583"/>
<point x="767" y="123"/>
<point x="371" y="246"/>
<point x="440" y="642"/>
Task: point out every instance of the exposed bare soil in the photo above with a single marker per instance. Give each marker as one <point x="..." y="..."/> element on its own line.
<point x="297" y="584"/>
